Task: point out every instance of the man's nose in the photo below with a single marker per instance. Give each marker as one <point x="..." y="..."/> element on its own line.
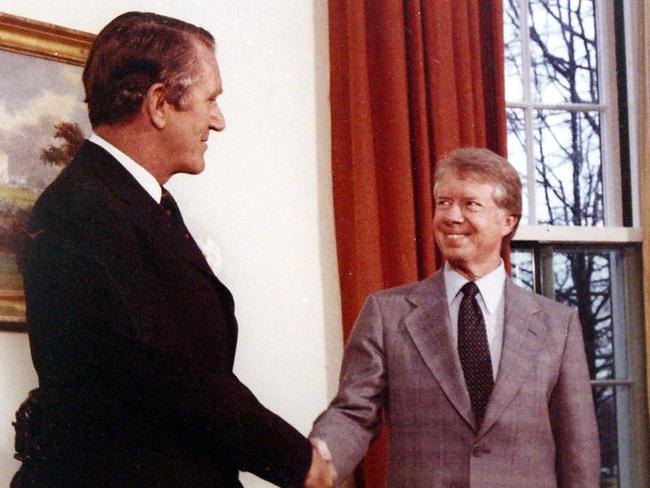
<point x="217" y="120"/>
<point x="454" y="213"/>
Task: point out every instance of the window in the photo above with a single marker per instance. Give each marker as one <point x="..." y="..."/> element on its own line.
<point x="562" y="112"/>
<point x="599" y="281"/>
<point x="567" y="135"/>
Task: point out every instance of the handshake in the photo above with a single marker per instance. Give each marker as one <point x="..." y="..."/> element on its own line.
<point x="322" y="473"/>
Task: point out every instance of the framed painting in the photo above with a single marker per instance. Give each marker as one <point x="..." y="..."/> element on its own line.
<point x="42" y="122"/>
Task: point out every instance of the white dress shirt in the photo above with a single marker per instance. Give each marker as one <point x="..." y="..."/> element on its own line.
<point x="141" y="175"/>
<point x="489" y="298"/>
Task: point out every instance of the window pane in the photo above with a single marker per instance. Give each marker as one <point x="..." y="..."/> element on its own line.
<point x="569" y="176"/>
<point x="513" y="51"/>
<point x="611" y="404"/>
<point x="517" y="154"/>
<point x="521" y="264"/>
<point x="563" y="51"/>
<point x="585" y="280"/>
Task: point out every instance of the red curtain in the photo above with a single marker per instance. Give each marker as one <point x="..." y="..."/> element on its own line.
<point x="410" y="81"/>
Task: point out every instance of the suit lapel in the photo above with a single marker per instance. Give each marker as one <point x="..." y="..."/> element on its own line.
<point x="140" y="208"/>
<point x="430" y="328"/>
<point x="523" y="333"/>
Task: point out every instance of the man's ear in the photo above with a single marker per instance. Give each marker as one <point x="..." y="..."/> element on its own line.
<point x="511" y="223"/>
<point x="156" y="106"/>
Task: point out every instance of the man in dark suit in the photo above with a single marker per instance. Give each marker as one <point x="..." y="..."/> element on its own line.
<point x="132" y="335"/>
<point x="483" y="384"/>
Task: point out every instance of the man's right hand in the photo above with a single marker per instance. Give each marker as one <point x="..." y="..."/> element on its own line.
<point x="322" y="473"/>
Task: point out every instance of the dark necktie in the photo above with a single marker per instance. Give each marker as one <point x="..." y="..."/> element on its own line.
<point x="170" y="206"/>
<point x="474" y="351"/>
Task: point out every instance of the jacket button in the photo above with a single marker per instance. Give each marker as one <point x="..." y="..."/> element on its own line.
<point x="478" y="451"/>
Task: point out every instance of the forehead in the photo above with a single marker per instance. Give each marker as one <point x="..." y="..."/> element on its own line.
<point x="209" y="77"/>
<point x="454" y="184"/>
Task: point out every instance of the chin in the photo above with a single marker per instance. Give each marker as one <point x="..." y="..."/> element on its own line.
<point x="455" y="259"/>
<point x="196" y="169"/>
<point x="461" y="266"/>
<point x="453" y="252"/>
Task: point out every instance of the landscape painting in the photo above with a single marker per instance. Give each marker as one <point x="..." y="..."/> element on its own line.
<point x="42" y="123"/>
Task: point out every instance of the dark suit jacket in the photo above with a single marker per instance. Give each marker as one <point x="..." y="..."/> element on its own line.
<point x="133" y="338"/>
<point x="539" y="429"/>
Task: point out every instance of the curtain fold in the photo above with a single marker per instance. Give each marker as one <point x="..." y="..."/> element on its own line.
<point x="410" y="80"/>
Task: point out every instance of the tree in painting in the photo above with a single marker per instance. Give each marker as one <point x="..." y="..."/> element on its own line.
<point x="72" y="137"/>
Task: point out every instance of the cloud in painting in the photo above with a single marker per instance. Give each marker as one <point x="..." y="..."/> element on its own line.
<point x="72" y="76"/>
<point x="26" y="132"/>
<point x="43" y="107"/>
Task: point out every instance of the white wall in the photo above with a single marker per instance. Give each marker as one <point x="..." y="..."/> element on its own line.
<point x="265" y="198"/>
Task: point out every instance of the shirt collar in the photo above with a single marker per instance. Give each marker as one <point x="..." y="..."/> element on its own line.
<point x="490" y="286"/>
<point x="141" y="175"/>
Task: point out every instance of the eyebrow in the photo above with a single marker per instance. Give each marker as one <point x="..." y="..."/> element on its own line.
<point x="461" y="197"/>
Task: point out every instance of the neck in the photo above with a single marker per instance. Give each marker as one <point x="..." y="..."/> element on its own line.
<point x="138" y="143"/>
<point x="476" y="271"/>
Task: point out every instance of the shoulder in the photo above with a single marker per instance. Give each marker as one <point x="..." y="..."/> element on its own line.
<point x="547" y="317"/>
<point x="517" y="296"/>
<point x="76" y="193"/>
<point x="392" y="305"/>
<point x="78" y="210"/>
<point x="431" y="287"/>
<point x="93" y="190"/>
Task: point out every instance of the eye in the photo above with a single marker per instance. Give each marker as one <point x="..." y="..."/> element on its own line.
<point x="473" y="205"/>
<point x="442" y="203"/>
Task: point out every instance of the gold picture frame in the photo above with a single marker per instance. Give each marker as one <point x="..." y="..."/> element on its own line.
<point x="30" y="39"/>
<point x="43" y="40"/>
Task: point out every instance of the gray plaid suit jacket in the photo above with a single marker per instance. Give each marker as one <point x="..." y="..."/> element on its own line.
<point x="540" y="427"/>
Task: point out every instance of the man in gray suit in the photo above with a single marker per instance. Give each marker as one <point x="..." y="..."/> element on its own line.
<point x="482" y="383"/>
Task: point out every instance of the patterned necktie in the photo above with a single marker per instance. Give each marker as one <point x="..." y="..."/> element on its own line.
<point x="474" y="351"/>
